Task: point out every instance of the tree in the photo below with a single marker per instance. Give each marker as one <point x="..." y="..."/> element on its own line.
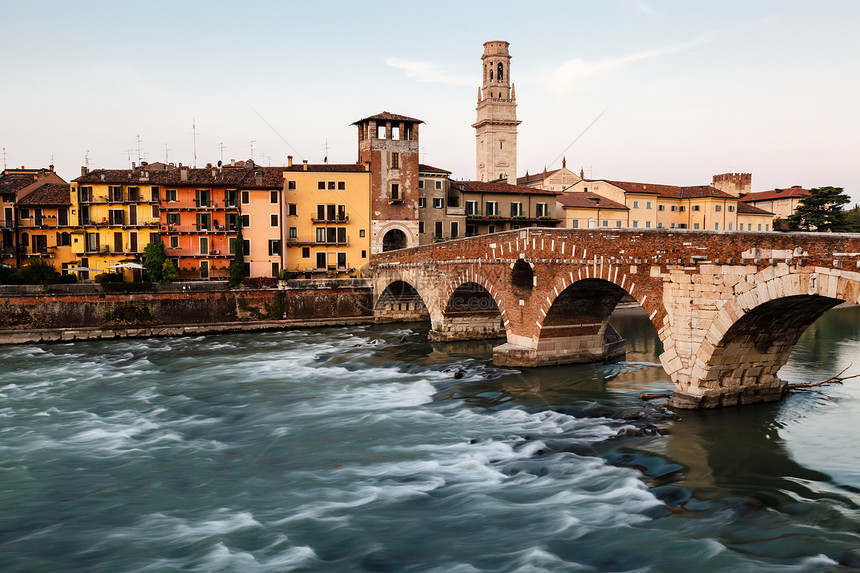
<point x="821" y="210"/>
<point x="169" y="273"/>
<point x="39" y="272"/>
<point x="237" y="265"/>
<point x="153" y="261"/>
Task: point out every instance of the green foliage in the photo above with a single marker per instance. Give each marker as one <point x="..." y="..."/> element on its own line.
<point x="237" y="265"/>
<point x="852" y="219"/>
<point x="821" y="210"/>
<point x="169" y="272"/>
<point x="153" y="261"/>
<point x="39" y="272"/>
<point x="10" y="276"/>
<point x="108" y="278"/>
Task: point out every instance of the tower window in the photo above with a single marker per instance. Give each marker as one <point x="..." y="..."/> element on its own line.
<point x="501" y="72"/>
<point x="491" y="74"/>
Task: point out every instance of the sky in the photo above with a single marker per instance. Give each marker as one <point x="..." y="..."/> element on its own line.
<point x="651" y="91"/>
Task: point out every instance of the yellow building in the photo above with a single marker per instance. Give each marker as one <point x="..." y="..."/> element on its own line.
<point x="44" y="229"/>
<point x="326" y="219"/>
<point x="117" y="215"/>
<point x="589" y="210"/>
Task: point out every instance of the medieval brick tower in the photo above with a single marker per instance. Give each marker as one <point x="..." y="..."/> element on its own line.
<point x="388" y="143"/>
<point x="496" y="127"/>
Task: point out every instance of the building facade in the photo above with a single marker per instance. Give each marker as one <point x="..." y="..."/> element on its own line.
<point x="496" y="207"/>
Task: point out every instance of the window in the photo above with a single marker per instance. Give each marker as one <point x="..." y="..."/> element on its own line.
<point x="320" y="234"/>
<point x="331" y="185"/>
<point x="132" y="242"/>
<point x="682" y="208"/>
<point x="395" y="191"/>
<point x="731" y="210"/>
<point x="635" y="224"/>
<point x="154" y="193"/>
<point x="155" y="210"/>
<point x="204" y="221"/>
<point x="574" y="224"/>
<point x="766" y="227"/>
<point x="361" y="233"/>
<point x="274" y="247"/>
<point x="273" y="220"/>
<point x="438" y="202"/>
<point x="40" y="244"/>
<point x="84" y="216"/>
<point x="173" y="242"/>
<point x="321" y="260"/>
<point x="695" y="207"/>
<point x="230" y="221"/>
<point x="202" y="198"/>
<point x="204" y="245"/>
<point x="115" y="193"/>
<point x="730" y="226"/>
<point x="674" y="208"/>
<point x="341" y="261"/>
<point x="134" y="193"/>
<point x="635" y="204"/>
<point x="246" y="248"/>
<point x="172" y="218"/>
<point x="437" y="230"/>
<point x="170" y="195"/>
<point x="291" y="185"/>
<point x="617" y="223"/>
<point x="455" y="229"/>
<point x="490" y="229"/>
<point x="541" y="210"/>
<point x="422" y="202"/>
<point x="246" y="221"/>
<point x="293" y="232"/>
<point x="438" y="185"/>
<point x="116" y="216"/>
<point x="421" y="184"/>
<point x="292" y="210"/>
<point x="647" y="224"/>
<point x="648" y="204"/>
<point x="85" y="194"/>
<point x="62" y="217"/>
<point x="306" y="252"/>
<point x="695" y="225"/>
<point x="605" y="223"/>
<point x="321" y="185"/>
<point x="492" y="208"/>
<point x="718" y="207"/>
<point x="24" y="213"/>
<point x="341" y="235"/>
<point x="204" y="269"/>
<point x="659" y="225"/>
<point x="395" y="160"/>
<point x="363" y="254"/>
<point x="716" y="226"/>
<point x="274" y="269"/>
<point x="246" y="197"/>
<point x="471" y="208"/>
<point x="64" y="240"/>
<point x="273" y="197"/>
<point x="421" y="227"/>
<point x="661" y="207"/>
<point x="516" y="209"/>
<point x="341" y="185"/>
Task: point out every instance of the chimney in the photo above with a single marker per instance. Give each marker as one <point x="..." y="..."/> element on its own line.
<point x="289" y="160"/>
<point x="84" y="170"/>
<point x="183" y="173"/>
<point x="305" y="164"/>
<point x="51" y="167"/>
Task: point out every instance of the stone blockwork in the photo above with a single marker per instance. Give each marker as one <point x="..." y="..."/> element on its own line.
<point x="728" y="307"/>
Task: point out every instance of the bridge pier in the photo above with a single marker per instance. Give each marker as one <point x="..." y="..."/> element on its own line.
<point x="607" y="344"/>
<point x="468" y="325"/>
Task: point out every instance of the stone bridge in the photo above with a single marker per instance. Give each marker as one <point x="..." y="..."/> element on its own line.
<point x="727" y="306"/>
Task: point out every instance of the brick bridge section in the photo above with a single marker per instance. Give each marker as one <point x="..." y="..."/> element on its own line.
<point x="727" y="306"/>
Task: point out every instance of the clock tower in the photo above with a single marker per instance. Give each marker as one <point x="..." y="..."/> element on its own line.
<point x="496" y="125"/>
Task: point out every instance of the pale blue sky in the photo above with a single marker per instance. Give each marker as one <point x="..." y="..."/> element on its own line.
<point x="689" y="89"/>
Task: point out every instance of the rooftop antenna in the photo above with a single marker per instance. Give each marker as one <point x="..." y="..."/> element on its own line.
<point x="4" y="159"/>
<point x="221" y="148"/>
<point x="325" y="148"/>
<point x="128" y="152"/>
<point x="87" y="159"/>
<point x="138" y="150"/>
<point x="165" y="154"/>
<point x="194" y="133"/>
<point x="252" y="148"/>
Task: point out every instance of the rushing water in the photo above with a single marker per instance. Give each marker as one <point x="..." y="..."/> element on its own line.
<point x="369" y="449"/>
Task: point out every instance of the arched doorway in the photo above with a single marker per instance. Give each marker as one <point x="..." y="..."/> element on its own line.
<point x="393" y="240"/>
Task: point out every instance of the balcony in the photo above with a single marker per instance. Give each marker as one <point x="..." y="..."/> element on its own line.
<point x="6" y="223"/>
<point x="342" y="220"/>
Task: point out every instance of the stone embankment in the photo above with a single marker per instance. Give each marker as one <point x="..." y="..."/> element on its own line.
<point x="82" y="312"/>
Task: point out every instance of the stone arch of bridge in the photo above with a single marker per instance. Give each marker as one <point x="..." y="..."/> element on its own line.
<point x="470" y="311"/>
<point x="401" y="299"/>
<point x="751" y="338"/>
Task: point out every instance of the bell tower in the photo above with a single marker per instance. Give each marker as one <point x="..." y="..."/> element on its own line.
<point x="496" y="125"/>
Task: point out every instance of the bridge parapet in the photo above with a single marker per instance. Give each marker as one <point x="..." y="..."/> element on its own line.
<point x="728" y="306"/>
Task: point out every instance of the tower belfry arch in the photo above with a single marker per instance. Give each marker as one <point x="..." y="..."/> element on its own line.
<point x="496" y="125"/>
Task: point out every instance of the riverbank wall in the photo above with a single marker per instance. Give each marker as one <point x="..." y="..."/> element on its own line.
<point x="83" y="312"/>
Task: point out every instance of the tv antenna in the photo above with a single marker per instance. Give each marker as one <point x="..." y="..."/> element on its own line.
<point x="222" y="148"/>
<point x="87" y="158"/>
<point x="194" y="133"/>
<point x="325" y="148"/>
<point x="4" y="159"/>
<point x="138" y="150"/>
<point x="252" y="148"/>
<point x="128" y="152"/>
<point x="165" y="154"/>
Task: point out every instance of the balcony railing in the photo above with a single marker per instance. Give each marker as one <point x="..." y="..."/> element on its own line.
<point x="344" y="219"/>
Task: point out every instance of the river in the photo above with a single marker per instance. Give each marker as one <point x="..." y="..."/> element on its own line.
<point x="370" y="449"/>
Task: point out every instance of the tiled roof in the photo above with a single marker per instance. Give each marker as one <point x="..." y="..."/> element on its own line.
<point x="751" y="210"/>
<point x="422" y="168"/>
<point x="47" y="194"/>
<point x="791" y="193"/>
<point x="227" y="176"/>
<point x="537" y="177"/>
<point x="483" y="187"/>
<point x="327" y="168"/>
<point x="586" y="200"/>
<point x="385" y="116"/>
<point x="13" y="182"/>
<point x="671" y="191"/>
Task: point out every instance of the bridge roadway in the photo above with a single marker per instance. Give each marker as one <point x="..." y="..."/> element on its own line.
<point x="728" y="306"/>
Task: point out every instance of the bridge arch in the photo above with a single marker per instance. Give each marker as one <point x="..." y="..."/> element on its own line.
<point x="400" y="301"/>
<point x="470" y="312"/>
<point x="752" y="336"/>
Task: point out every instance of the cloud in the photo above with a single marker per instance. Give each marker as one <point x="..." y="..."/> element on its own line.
<point x="570" y="76"/>
<point x="429" y="72"/>
<point x="641" y="6"/>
